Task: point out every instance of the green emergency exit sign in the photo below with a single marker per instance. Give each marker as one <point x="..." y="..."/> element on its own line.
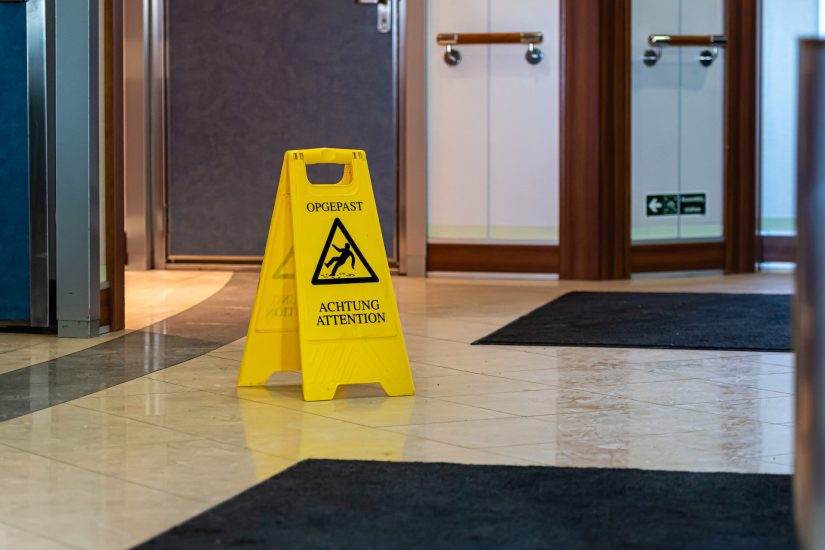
<point x="686" y="204"/>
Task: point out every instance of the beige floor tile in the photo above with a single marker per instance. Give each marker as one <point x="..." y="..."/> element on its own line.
<point x="203" y="470"/>
<point x="12" y="538"/>
<point x="659" y="452"/>
<point x="773" y="410"/>
<point x="476" y="434"/>
<point x="397" y="411"/>
<point x="784" y="359"/>
<point x="67" y="427"/>
<point x="237" y="345"/>
<point x="471" y="384"/>
<point x="734" y="441"/>
<point x="545" y="402"/>
<point x="767" y="467"/>
<point x="714" y="368"/>
<point x="596" y="376"/>
<point x="208" y="372"/>
<point x="782" y="460"/>
<point x="421" y="348"/>
<point x="686" y="392"/>
<point x="231" y="355"/>
<point x="141" y="386"/>
<point x="484" y="360"/>
<point x="596" y="453"/>
<point x="80" y="508"/>
<point x="781" y="382"/>
<point x="449" y="328"/>
<point x="12" y="341"/>
<point x="582" y="356"/>
<point x="630" y="422"/>
<point x="423" y="370"/>
<point x="156" y="295"/>
<point x="255" y="425"/>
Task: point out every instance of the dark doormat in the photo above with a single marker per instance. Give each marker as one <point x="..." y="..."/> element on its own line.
<point x="351" y="504"/>
<point x="686" y="320"/>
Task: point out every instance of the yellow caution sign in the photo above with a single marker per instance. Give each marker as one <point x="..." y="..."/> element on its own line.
<point x="325" y="303"/>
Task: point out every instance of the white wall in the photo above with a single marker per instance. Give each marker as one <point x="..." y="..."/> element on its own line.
<point x="493" y="126"/>
<point x="783" y="23"/>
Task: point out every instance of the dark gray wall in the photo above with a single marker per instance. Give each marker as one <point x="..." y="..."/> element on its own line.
<point x="251" y="79"/>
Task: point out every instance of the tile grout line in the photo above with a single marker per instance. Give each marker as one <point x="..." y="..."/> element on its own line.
<point x="49" y="538"/>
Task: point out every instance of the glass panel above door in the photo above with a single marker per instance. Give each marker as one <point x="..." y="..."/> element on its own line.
<point x="677" y="120"/>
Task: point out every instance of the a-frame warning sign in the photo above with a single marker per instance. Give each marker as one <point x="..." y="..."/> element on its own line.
<point x="325" y="303"/>
<point x="341" y="260"/>
<point x="286" y="269"/>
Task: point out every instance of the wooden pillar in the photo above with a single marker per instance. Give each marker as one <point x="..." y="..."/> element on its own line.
<point x="595" y="140"/>
<point x="741" y="138"/>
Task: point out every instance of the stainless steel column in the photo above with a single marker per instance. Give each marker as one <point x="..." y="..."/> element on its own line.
<point x="809" y="316"/>
<point x="77" y="167"/>
<point x="40" y="40"/>
<point x="135" y="141"/>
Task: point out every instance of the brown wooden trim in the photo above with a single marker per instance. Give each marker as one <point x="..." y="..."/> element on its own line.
<point x="106" y="307"/>
<point x="741" y="127"/>
<point x="444" y="39"/>
<point x="778" y="249"/>
<point x="677" y="256"/>
<point x="115" y="236"/>
<point x="595" y="140"/>
<point x="493" y="258"/>
<point x="687" y="40"/>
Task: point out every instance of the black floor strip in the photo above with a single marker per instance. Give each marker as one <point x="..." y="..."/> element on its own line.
<point x="220" y="319"/>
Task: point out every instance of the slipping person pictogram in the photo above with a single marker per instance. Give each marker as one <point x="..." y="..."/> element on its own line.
<point x="346" y="254"/>
<point x="344" y="264"/>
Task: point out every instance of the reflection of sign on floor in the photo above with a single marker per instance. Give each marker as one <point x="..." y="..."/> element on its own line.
<point x="341" y="261"/>
<point x="686" y="204"/>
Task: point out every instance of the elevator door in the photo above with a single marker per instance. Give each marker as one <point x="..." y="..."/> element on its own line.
<point x="14" y="165"/>
<point x="250" y="80"/>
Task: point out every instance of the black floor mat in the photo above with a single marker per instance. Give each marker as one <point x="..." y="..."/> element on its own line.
<point x="685" y="320"/>
<point x="350" y="504"/>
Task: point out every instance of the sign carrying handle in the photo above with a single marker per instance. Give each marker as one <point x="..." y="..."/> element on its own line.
<point x="351" y="159"/>
<point x="328" y="156"/>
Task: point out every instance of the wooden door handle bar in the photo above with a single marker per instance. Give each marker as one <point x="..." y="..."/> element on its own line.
<point x="452" y="38"/>
<point x="684" y="40"/>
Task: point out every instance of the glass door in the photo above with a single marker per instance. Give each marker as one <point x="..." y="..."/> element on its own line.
<point x="677" y="125"/>
<point x="493" y="135"/>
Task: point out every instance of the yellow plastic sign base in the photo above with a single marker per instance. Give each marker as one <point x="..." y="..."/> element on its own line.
<point x="325" y="303"/>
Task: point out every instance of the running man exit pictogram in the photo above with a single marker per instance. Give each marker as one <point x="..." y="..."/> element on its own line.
<point x="341" y="260"/>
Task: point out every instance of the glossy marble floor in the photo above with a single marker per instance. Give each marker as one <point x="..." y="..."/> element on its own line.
<point x="113" y="468"/>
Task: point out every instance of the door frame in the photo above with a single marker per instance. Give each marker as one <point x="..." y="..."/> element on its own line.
<point x="596" y="122"/>
<point x="151" y="186"/>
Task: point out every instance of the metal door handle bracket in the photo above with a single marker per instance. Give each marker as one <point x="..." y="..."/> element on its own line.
<point x="384" y="11"/>
<point x="706" y="57"/>
<point x="452" y="56"/>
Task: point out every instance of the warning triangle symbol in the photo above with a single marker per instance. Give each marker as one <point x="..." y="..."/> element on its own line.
<point x="341" y="261"/>
<point x="286" y="270"/>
